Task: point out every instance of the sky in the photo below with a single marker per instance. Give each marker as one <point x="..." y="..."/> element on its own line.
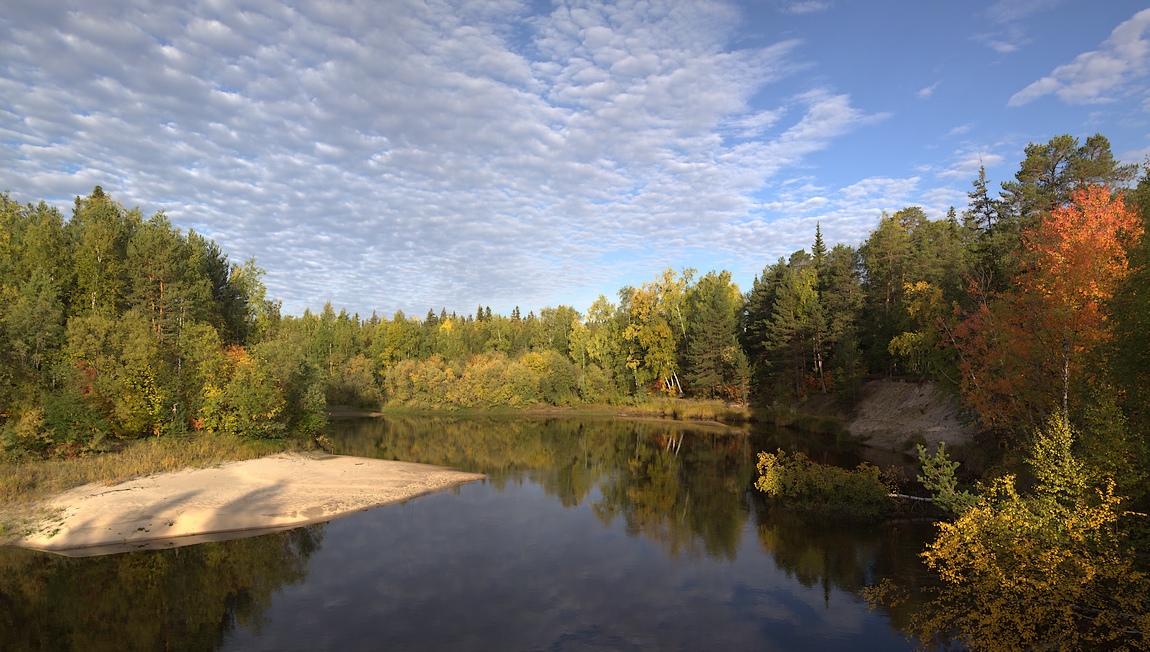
<point x="410" y="155"/>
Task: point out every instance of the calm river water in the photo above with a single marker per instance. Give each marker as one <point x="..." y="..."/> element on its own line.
<point x="586" y="535"/>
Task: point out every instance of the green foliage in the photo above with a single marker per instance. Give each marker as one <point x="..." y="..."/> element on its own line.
<point x="915" y="269"/>
<point x="939" y="478"/>
<point x="24" y="434"/>
<point x="557" y="381"/>
<point x="806" y="486"/>
<point x="354" y="383"/>
<point x="798" y="326"/>
<point x="34" y="323"/>
<point x="1130" y="315"/>
<point x="715" y="365"/>
<point x="111" y="326"/>
<point x="1051" y="171"/>
<point x="1058" y="474"/>
<point x="249" y="405"/>
<point x="77" y="426"/>
<point x="1109" y="446"/>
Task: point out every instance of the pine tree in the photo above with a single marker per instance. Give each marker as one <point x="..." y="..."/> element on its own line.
<point x="715" y="364"/>
<point x="983" y="210"/>
<point x="818" y="249"/>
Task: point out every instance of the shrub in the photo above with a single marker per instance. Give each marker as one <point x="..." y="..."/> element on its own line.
<point x="249" y="405"/>
<point x="806" y="486"/>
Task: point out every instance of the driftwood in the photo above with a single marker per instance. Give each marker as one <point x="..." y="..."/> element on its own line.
<point x="908" y="497"/>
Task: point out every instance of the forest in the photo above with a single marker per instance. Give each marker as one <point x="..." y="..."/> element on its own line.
<point x="1031" y="304"/>
<point x="1028" y="303"/>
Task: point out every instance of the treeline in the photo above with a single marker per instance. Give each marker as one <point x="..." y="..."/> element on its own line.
<point x="675" y="336"/>
<point x="118" y="326"/>
<point x="115" y="327"/>
<point x="1027" y="303"/>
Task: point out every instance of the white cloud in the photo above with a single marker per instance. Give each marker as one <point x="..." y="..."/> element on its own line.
<point x="1005" y="41"/>
<point x="926" y="93"/>
<point x="967" y="162"/>
<point x="415" y="155"/>
<point x="846" y="215"/>
<point x="1136" y="156"/>
<point x="802" y="7"/>
<point x="1010" y="35"/>
<point x="1093" y="77"/>
<point x="1006" y="11"/>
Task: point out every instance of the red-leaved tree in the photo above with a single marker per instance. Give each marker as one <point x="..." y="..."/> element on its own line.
<point x="1022" y="350"/>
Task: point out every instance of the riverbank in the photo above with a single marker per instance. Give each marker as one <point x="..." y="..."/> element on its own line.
<point x="231" y="500"/>
<point x="26" y="484"/>
<point x="897" y="415"/>
<point x="888" y="414"/>
<point x="686" y="410"/>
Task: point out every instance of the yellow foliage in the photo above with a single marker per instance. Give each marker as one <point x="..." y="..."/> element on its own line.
<point x="534" y="361"/>
<point x="808" y="486"/>
<point x="1023" y="573"/>
<point x="1048" y="571"/>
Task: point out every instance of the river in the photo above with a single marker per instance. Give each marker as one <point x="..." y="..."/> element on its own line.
<point x="586" y="534"/>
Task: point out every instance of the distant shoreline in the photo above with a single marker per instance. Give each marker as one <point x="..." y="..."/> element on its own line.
<point x="550" y="411"/>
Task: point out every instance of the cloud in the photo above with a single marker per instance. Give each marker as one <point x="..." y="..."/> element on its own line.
<point x="1010" y="36"/>
<point x="1007" y="11"/>
<point x="828" y="116"/>
<point x="1136" y="155"/>
<point x="1006" y="41"/>
<point x="802" y="7"/>
<point x="413" y="155"/>
<point x="786" y="221"/>
<point x="967" y="163"/>
<point x="1093" y="77"/>
<point x="926" y="93"/>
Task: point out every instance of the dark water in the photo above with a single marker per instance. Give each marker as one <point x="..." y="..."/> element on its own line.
<point x="586" y="535"/>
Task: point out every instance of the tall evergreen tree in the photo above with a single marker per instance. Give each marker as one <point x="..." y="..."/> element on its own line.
<point x="716" y="366"/>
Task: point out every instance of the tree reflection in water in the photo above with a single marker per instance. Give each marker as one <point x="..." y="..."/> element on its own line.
<point x="180" y="599"/>
<point x="685" y="491"/>
<point x="685" y="487"/>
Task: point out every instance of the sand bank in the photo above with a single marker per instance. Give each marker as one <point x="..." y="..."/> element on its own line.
<point x="892" y="413"/>
<point x="229" y="501"/>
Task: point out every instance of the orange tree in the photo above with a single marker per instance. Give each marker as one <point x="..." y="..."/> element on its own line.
<point x="1022" y="350"/>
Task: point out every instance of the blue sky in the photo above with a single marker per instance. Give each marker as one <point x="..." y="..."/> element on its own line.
<point x="411" y="155"/>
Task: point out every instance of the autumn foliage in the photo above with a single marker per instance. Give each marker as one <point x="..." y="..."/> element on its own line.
<point x="1024" y="349"/>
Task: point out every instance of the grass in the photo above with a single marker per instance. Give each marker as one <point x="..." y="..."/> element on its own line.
<point x="23" y="484"/>
<point x="677" y="409"/>
<point x="688" y="410"/>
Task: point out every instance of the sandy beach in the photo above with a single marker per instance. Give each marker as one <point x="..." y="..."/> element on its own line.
<point x="229" y="501"/>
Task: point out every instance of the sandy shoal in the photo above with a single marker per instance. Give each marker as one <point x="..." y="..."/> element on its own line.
<point x="232" y="500"/>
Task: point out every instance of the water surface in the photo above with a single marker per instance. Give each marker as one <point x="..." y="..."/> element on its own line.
<point x="587" y="534"/>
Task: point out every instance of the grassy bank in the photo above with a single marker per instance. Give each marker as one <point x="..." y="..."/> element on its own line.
<point x="689" y="410"/>
<point x="22" y="484"/>
<point x="672" y="409"/>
